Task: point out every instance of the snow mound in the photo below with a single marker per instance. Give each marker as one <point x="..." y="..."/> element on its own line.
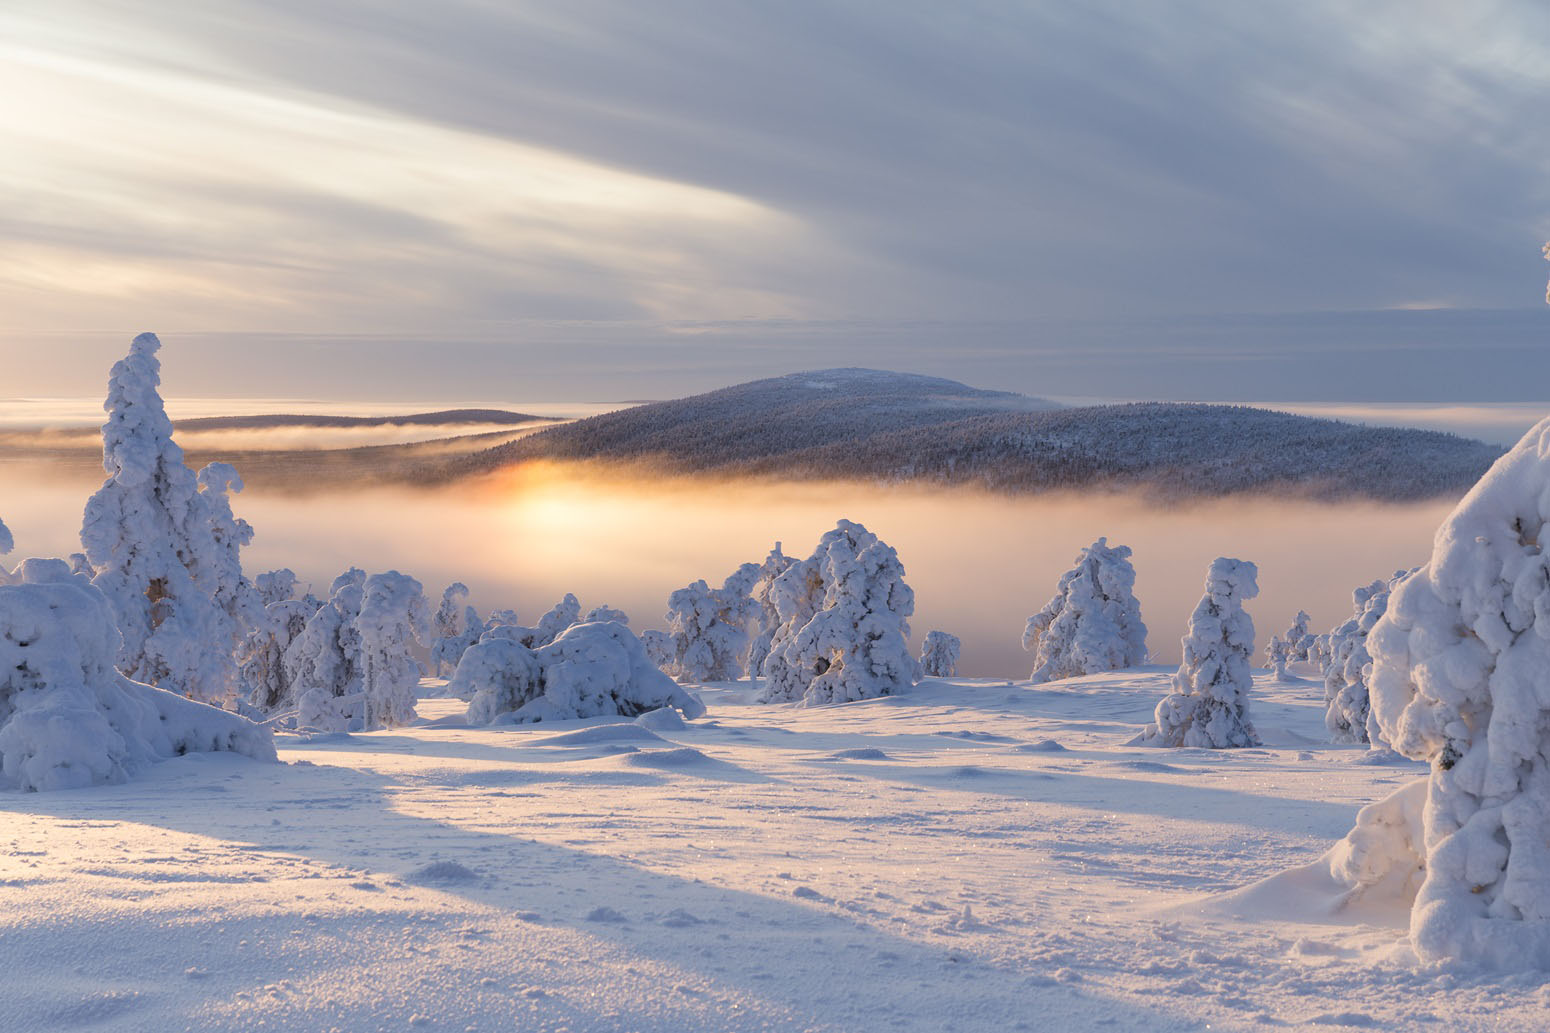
<point x="860" y="753"/>
<point x="682" y="757"/>
<point x="610" y="733"/>
<point x="1042" y="746"/>
<point x="68" y="719"/>
<point x="663" y="719"/>
<point x="442" y="873"/>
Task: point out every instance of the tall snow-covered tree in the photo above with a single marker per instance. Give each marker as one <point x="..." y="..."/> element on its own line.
<point x="163" y="546"/>
<point x="394" y="615"/>
<point x="709" y="627"/>
<point x="1347" y="707"/>
<point x="762" y="592"/>
<point x="852" y="646"/>
<point x="1093" y="623"/>
<point x="939" y="654"/>
<point x="1209" y="705"/>
<point x="1458" y="679"/>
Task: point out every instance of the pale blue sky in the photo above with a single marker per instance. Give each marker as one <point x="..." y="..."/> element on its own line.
<point x="397" y="198"/>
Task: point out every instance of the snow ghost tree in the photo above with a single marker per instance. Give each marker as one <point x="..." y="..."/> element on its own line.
<point x="1460" y="665"/>
<point x="852" y="644"/>
<point x="1093" y="623"/>
<point x="661" y="648"/>
<point x="261" y="657"/>
<point x="324" y="663"/>
<point x="68" y="718"/>
<point x="709" y="627"/>
<point x="1290" y="646"/>
<point x="590" y="670"/>
<point x="604" y="614"/>
<point x="774" y="565"/>
<point x="1209" y="705"/>
<point x="394" y="613"/>
<point x="939" y="654"/>
<point x="1347" y="709"/>
<point x="455" y="627"/>
<point x="275" y="585"/>
<point x="164" y="546"/>
<point x="503" y="624"/>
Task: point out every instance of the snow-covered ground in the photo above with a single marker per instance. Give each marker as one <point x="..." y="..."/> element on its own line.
<point x="974" y="855"/>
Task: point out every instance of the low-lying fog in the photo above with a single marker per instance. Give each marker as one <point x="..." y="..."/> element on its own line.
<point x="979" y="564"/>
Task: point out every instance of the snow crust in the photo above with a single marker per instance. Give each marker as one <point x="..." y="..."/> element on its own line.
<point x="1093" y="623"/>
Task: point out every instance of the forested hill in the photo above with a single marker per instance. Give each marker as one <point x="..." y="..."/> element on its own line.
<point x="871" y="425"/>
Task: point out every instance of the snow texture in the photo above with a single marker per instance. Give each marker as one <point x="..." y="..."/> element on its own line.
<point x="1209" y="705"/>
<point x="844" y="613"/>
<point x="1093" y="623"/>
<point x="164" y="543"/>
<point x="590" y="670"/>
<point x="1348" y="711"/>
<point x="68" y="718"/>
<point x="394" y="615"/>
<point x="709" y="627"/>
<point x="939" y="654"/>
<point x="1458" y="680"/>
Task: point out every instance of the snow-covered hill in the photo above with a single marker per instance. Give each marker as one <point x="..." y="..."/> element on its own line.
<point x="872" y="425"/>
<point x="971" y="856"/>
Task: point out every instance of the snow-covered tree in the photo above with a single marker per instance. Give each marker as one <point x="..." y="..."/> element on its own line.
<point x="455" y="627"/>
<point x="233" y="593"/>
<point x="261" y="657"/>
<point x="275" y="585"/>
<point x="1093" y="623"/>
<point x="939" y="654"/>
<point x="1458" y="678"/>
<point x="762" y="592"/>
<point x="852" y="646"/>
<point x="1209" y="705"/>
<point x="394" y="614"/>
<point x="661" y="648"/>
<point x="1289" y="646"/>
<point x="324" y="663"/>
<point x="164" y="546"/>
<point x="590" y="670"/>
<point x="604" y="614"/>
<point x="709" y="627"/>
<point x="565" y="613"/>
<point x="1348" y="711"/>
<point x="68" y="718"/>
<point x="7" y="543"/>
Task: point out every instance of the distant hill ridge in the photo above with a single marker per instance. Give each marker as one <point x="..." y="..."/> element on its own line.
<point x="444" y="417"/>
<point x="859" y="424"/>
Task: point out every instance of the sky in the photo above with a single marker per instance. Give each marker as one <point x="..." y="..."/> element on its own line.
<point x="605" y="199"/>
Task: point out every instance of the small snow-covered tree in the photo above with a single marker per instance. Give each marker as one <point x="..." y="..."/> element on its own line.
<point x="590" y="670"/>
<point x="324" y="663"/>
<point x="604" y="614"/>
<point x="762" y="592"/>
<point x="261" y="657"/>
<point x="853" y="646"/>
<point x="1290" y="646"/>
<point x="1209" y="705"/>
<point x="68" y="718"/>
<point x="7" y="543"/>
<point x="455" y="627"/>
<point x="1347" y="708"/>
<point x="1093" y="623"/>
<point x="1458" y="678"/>
<point x="661" y="648"/>
<point x="164" y="547"/>
<point x="394" y="614"/>
<point x="274" y="586"/>
<point x="565" y="613"/>
<point x="939" y="654"/>
<point x="709" y="627"/>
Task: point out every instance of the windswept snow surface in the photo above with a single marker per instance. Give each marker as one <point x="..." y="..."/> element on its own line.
<point x="969" y="855"/>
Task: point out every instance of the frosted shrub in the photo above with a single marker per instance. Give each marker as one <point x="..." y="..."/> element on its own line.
<point x="1209" y="705"/>
<point x="709" y="627"/>
<point x="68" y="718"/>
<point x="590" y="670"/>
<point x="851" y="646"/>
<point x="1348" y="712"/>
<point x="1093" y="623"/>
<point x="1460" y="661"/>
<point x="939" y="654"/>
<point x="394" y="615"/>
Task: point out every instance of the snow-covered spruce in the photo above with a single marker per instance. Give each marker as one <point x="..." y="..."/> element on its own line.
<point x="261" y="657"/>
<point x="939" y="654"/>
<point x="660" y="647"/>
<point x="164" y="544"/>
<point x="68" y="718"/>
<point x="1289" y="646"/>
<point x="7" y="543"/>
<point x="1209" y="705"/>
<point x="1348" y="712"/>
<point x="394" y="615"/>
<point x="565" y="613"/>
<point x="324" y="663"/>
<point x="455" y="627"/>
<point x="1093" y="623"/>
<point x="774" y="565"/>
<point x="590" y="670"/>
<point x="1459" y="664"/>
<point x="844" y="613"/>
<point x="709" y="627"/>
